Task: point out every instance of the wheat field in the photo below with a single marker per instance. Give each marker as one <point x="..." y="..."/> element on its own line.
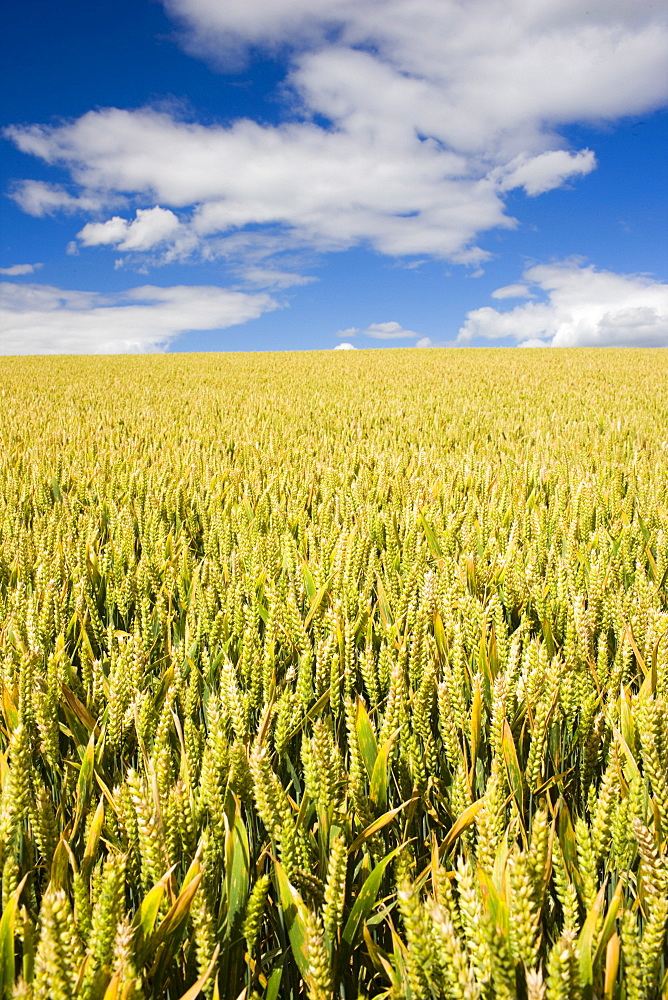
<point x="334" y="675"/>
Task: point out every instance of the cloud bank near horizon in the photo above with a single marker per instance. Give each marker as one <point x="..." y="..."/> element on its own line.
<point x="40" y="319"/>
<point x="581" y="307"/>
<point x="566" y="304"/>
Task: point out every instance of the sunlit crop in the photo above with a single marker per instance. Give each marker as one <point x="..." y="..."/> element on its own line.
<point x="334" y="676"/>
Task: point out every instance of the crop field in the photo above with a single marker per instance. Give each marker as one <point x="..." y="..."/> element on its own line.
<point x="334" y="676"/>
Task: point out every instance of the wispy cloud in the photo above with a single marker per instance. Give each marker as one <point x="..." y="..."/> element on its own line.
<point x="538" y="174"/>
<point x="16" y="270"/>
<point x="41" y="319"/>
<point x="39" y="198"/>
<point x="266" y="277"/>
<point x="580" y="307"/>
<point x="380" y="331"/>
<point x="389" y="331"/>
<point x="512" y="292"/>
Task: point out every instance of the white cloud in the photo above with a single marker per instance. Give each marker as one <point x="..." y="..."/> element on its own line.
<point x="425" y="342"/>
<point x="39" y="199"/>
<point x="331" y="188"/>
<point x="584" y="307"/>
<point x="538" y="174"/>
<point x="344" y="347"/>
<point x="40" y="319"/>
<point x="18" y="269"/>
<point x="150" y="227"/>
<point x="464" y="73"/>
<point x="434" y="110"/>
<point x="379" y="331"/>
<point x="519" y="54"/>
<point x="265" y="277"/>
<point x="388" y="331"/>
<point x="112" y="231"/>
<point x="512" y="292"/>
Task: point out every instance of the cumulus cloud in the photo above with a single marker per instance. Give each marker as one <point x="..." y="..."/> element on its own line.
<point x="463" y="73"/>
<point x="344" y="347"/>
<point x="412" y="120"/>
<point x="150" y="227"/>
<point x="18" y="269"/>
<point x="581" y="307"/>
<point x="495" y="63"/>
<point x="40" y="319"/>
<point x="332" y="188"/>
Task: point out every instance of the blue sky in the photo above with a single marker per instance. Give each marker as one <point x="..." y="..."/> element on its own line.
<point x="296" y="174"/>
